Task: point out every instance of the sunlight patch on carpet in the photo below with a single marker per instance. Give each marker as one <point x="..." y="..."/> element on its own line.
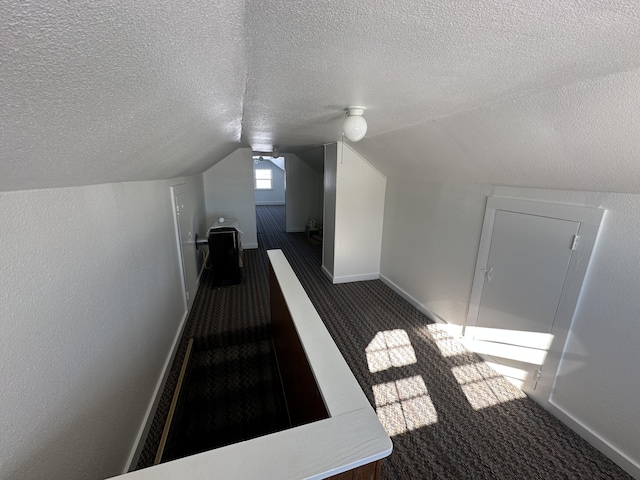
<point x="447" y="345"/>
<point x="390" y="348"/>
<point x="404" y="405"/>
<point x="484" y="387"/>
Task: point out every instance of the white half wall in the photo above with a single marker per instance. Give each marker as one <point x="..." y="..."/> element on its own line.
<point x="359" y="211"/>
<point x="229" y="192"/>
<point x="276" y="195"/>
<point x="90" y="304"/>
<point x="430" y="244"/>
<point x="304" y="194"/>
<point x="329" y="216"/>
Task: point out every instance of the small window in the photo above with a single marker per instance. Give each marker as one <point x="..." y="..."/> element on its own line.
<point x="263" y="178"/>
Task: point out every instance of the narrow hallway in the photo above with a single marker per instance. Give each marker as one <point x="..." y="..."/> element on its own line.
<point x="449" y="415"/>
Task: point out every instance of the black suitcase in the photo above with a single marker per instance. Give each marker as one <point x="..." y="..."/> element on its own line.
<point x="224" y="256"/>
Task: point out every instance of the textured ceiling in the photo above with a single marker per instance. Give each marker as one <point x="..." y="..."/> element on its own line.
<point x="95" y="92"/>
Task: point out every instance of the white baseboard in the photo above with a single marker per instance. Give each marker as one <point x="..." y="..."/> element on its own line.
<point x="270" y="202"/>
<point x="327" y="273"/>
<point x="356" y="278"/>
<point x="155" y="399"/>
<point x="296" y="230"/>
<point x="624" y="461"/>
<point x="432" y="316"/>
<point x="249" y="246"/>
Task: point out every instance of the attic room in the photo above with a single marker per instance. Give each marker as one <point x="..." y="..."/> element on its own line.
<point x="106" y="107"/>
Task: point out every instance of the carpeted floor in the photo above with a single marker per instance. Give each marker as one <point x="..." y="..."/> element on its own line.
<point x="449" y="415"/>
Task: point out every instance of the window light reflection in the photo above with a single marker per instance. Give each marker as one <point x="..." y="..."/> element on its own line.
<point x="404" y="405"/>
<point x="447" y="345"/>
<point x="483" y="386"/>
<point x="390" y="348"/>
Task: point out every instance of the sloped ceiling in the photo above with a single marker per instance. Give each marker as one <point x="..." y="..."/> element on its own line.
<point x="498" y="92"/>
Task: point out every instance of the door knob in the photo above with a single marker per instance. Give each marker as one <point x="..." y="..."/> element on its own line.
<point x="488" y="273"/>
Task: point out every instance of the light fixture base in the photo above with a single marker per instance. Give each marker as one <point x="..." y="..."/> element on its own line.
<point x="355" y="111"/>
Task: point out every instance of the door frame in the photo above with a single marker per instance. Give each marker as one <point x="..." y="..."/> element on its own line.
<point x="590" y="220"/>
<point x="177" y="190"/>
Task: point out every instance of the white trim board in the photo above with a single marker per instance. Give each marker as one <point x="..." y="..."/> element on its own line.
<point x="326" y="273"/>
<point x="269" y="202"/>
<point x="412" y="300"/>
<point x="451" y="328"/>
<point x="355" y="278"/>
<point x="609" y="450"/>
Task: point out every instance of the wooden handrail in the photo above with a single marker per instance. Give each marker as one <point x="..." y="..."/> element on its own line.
<point x="174" y="402"/>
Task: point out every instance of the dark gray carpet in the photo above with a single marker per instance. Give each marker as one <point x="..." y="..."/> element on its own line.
<point x="450" y="416"/>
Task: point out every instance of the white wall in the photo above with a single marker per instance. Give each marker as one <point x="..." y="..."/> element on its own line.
<point x="229" y="192"/>
<point x="329" y="215"/>
<point x="90" y="306"/>
<point x="359" y="211"/>
<point x="276" y="195"/>
<point x="304" y="194"/>
<point x="430" y="242"/>
<point x="431" y="236"/>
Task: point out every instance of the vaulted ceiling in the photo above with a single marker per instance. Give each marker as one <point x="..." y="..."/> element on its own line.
<point x="541" y="94"/>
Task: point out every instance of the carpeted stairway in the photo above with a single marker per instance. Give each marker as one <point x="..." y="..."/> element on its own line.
<point x="231" y="394"/>
<point x="450" y="416"/>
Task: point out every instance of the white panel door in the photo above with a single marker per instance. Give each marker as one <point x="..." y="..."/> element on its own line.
<point x="526" y="270"/>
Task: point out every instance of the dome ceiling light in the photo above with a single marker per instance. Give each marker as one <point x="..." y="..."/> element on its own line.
<point x="354" y="126"/>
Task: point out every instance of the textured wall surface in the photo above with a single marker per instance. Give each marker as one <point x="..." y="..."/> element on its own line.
<point x="585" y="136"/>
<point x="117" y="91"/>
<point x="90" y="302"/>
<point x="228" y="191"/>
<point x="431" y="237"/>
<point x="520" y="94"/>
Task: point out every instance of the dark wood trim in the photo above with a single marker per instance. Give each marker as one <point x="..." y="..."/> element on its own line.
<point x="370" y="471"/>
<point x="303" y="397"/>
